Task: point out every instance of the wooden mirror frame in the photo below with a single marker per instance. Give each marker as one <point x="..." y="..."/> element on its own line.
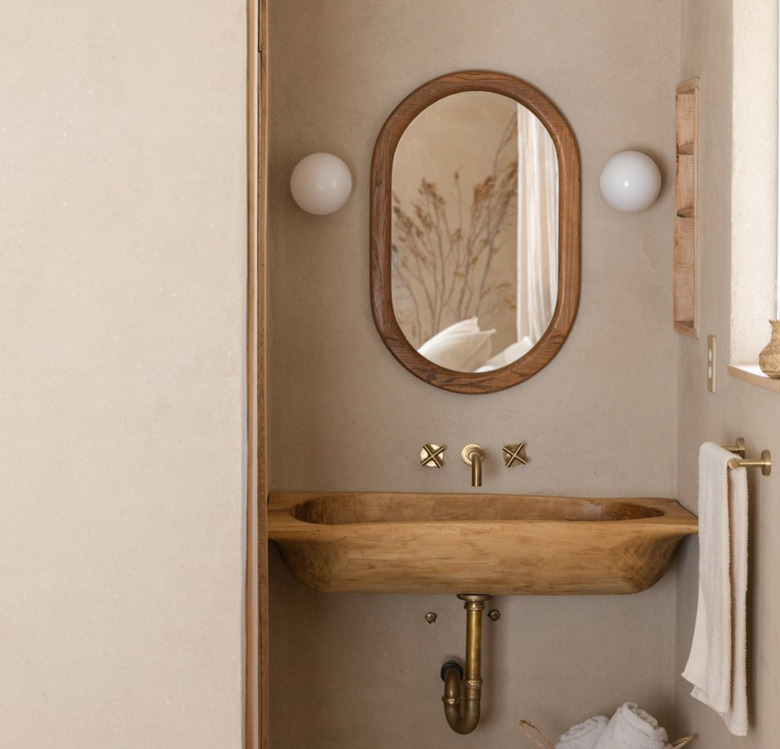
<point x="568" y="232"/>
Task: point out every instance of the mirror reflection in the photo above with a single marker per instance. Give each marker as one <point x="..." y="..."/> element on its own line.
<point x="474" y="235"/>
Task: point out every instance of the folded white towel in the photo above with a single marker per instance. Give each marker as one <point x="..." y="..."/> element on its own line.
<point x="632" y="728"/>
<point x="716" y="664"/>
<point x="584" y="735"/>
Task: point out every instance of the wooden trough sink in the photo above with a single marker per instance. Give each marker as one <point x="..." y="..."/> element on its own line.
<point x="475" y="543"/>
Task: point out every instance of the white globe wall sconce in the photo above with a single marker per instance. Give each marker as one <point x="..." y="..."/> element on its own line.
<point x="630" y="181"/>
<point x="321" y="183"/>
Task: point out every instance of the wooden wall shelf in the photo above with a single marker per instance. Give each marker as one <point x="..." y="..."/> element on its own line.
<point x="686" y="257"/>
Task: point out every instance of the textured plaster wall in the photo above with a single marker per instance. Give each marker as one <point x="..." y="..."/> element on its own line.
<point x="122" y="297"/>
<point x="362" y="670"/>
<point x="736" y="219"/>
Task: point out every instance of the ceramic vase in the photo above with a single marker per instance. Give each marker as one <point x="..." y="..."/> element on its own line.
<point x="769" y="358"/>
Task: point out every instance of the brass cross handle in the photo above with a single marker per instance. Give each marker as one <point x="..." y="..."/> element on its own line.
<point x="432" y="456"/>
<point x="514" y="454"/>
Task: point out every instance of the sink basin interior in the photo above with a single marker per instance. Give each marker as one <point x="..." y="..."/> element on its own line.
<point x="356" y="508"/>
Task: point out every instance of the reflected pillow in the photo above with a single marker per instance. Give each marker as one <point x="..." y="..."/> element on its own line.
<point x="462" y="346"/>
<point x="510" y="354"/>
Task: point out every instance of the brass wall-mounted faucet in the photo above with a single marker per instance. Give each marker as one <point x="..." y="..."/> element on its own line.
<point x="473" y="455"/>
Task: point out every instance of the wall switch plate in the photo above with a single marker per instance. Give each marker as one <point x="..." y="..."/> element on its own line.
<point x="711" y="363"/>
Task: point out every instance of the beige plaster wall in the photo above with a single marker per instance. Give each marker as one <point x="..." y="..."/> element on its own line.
<point x="122" y="297"/>
<point x="729" y="222"/>
<point x="362" y="670"/>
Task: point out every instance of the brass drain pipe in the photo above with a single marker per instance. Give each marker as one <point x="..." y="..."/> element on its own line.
<point x="462" y="692"/>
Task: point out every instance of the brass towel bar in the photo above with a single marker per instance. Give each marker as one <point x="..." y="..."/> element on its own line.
<point x="764" y="462"/>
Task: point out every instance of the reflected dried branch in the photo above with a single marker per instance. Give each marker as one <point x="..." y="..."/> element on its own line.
<point x="442" y="270"/>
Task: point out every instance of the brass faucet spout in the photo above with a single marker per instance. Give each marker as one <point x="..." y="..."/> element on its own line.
<point x="473" y="455"/>
<point x="463" y="691"/>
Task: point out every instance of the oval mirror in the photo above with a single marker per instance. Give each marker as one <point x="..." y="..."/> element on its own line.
<point x="475" y="231"/>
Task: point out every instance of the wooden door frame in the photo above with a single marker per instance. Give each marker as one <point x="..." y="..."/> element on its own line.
<point x="255" y="729"/>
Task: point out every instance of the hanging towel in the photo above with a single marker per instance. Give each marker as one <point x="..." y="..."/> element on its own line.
<point x="633" y="728"/>
<point x="584" y="735"/>
<point x="716" y="664"/>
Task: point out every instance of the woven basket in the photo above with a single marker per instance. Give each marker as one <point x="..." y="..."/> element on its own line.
<point x="769" y="358"/>
<point x="536" y="736"/>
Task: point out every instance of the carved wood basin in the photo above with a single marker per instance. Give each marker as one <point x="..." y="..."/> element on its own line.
<point x="491" y="543"/>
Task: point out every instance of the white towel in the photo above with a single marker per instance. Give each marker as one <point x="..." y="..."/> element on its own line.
<point x="716" y="664"/>
<point x="584" y="735"/>
<point x="633" y="728"/>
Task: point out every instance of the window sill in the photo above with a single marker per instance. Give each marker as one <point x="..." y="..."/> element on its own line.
<point x="752" y="373"/>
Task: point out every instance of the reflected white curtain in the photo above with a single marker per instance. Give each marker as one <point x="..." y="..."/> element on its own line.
<point x="537" y="226"/>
